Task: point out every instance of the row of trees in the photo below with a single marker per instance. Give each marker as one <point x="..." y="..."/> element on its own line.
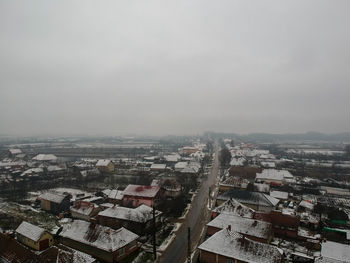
<point x="225" y="157"/>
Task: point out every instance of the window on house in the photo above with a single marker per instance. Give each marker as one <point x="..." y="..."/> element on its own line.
<point x="230" y="260"/>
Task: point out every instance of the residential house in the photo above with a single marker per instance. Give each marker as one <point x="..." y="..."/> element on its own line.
<point x="180" y="166"/>
<point x="33" y="236"/>
<point x="229" y="246"/>
<point x="274" y="177"/>
<point x="192" y="168"/>
<point x="172" y="158"/>
<point x="54" y="202"/>
<point x="104" y="243"/>
<point x="233" y="207"/>
<point x="84" y="210"/>
<point x="138" y="220"/>
<point x="187" y="150"/>
<point x="305" y="205"/>
<point x="136" y="195"/>
<point x="114" y="196"/>
<point x="233" y="182"/>
<point x="171" y="188"/>
<point x="105" y="165"/>
<point x="257" y="201"/>
<point x="14" y="152"/>
<point x="253" y="229"/>
<point x="285" y="223"/>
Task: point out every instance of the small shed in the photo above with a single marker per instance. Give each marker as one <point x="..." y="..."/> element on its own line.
<point x="33" y="236"/>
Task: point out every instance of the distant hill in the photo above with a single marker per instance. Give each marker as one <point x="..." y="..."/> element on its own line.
<point x="287" y="137"/>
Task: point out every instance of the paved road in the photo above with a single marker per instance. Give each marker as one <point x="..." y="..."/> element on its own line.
<point x="196" y="219"/>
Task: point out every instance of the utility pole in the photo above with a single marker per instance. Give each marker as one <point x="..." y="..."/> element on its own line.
<point x="209" y="198"/>
<point x="154" y="233"/>
<point x="189" y="245"/>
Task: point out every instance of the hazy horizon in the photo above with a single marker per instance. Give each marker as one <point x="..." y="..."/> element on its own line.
<point x="173" y="68"/>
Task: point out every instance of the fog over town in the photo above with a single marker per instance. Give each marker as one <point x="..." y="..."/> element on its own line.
<point x="174" y="131"/>
<point x="173" y="67"/>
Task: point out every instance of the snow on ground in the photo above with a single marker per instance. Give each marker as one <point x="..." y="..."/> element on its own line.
<point x="188" y="207"/>
<point x="176" y="227"/>
<point x="28" y="213"/>
<point x="166" y="242"/>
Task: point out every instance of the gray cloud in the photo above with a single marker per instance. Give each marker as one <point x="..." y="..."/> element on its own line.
<point x="174" y="67"/>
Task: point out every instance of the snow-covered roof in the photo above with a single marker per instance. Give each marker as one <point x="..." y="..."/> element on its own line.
<point x="114" y="194"/>
<point x="272" y="174"/>
<point x="172" y="157"/>
<point x="192" y="167"/>
<point x="30" y="231"/>
<point x="335" y="251"/>
<point x="306" y="204"/>
<point x="52" y="197"/>
<point x="45" y="157"/>
<point x="279" y="195"/>
<point x="64" y="254"/>
<point x="262" y="187"/>
<point x="15" y="151"/>
<point x="102" y="237"/>
<point x="247" y="197"/>
<point x="54" y="168"/>
<point x="233" y="245"/>
<point x="103" y="162"/>
<point x="32" y="171"/>
<point x="180" y="165"/>
<point x="158" y="166"/>
<point x="141" y="214"/>
<point x="83" y="208"/>
<point x="245" y="226"/>
<point x="336" y="191"/>
<point x="4" y="163"/>
<point x="268" y="164"/>
<point x="141" y="190"/>
<point x="235" y="181"/>
<point x="237" y="161"/>
<point x="234" y="207"/>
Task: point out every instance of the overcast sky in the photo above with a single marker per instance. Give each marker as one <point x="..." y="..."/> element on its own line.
<point x="174" y="67"/>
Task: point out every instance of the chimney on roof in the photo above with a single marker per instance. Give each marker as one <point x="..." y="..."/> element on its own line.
<point x="229" y="228"/>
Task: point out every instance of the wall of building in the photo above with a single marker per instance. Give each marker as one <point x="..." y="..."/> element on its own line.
<point x="36" y="245"/>
<point x="93" y="251"/>
<point x="137" y="201"/>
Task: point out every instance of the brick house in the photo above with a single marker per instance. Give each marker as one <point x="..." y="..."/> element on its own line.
<point x="233" y="207"/>
<point x="84" y="210"/>
<point x="104" y="243"/>
<point x="136" y="195"/>
<point x="138" y="220"/>
<point x="255" y="200"/>
<point x="228" y="246"/>
<point x="259" y="231"/>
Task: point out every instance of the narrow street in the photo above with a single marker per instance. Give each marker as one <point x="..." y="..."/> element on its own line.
<point x="196" y="219"/>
